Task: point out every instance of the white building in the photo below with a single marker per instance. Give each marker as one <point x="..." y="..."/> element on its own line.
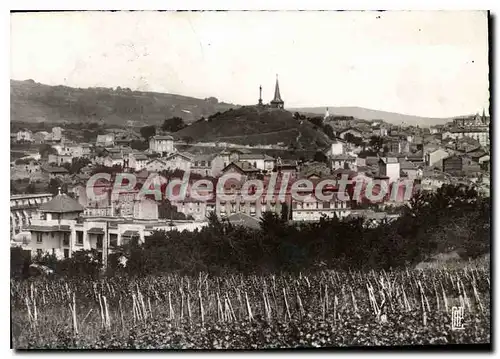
<point x="61" y="229"/>
<point x="107" y="140"/>
<point x="138" y="160"/>
<point x="435" y="157"/>
<point x="179" y="160"/>
<point x="313" y="209"/>
<point x="161" y="144"/>
<point x="480" y="134"/>
<point x="389" y="167"/>
<point x="343" y="161"/>
<point x="260" y="161"/>
<point x="335" y="148"/>
<point x="22" y="208"/>
<point x="207" y="165"/>
<point x="24" y="136"/>
<point x="156" y="165"/>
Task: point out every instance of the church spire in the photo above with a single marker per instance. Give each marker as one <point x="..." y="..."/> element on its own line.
<point x="277" y="101"/>
<point x="260" y="95"/>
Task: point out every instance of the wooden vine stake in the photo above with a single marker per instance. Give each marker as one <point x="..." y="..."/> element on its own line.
<point x="249" y="309"/>
<point x="202" y="312"/>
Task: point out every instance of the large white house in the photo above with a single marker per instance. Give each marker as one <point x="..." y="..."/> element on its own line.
<point x="61" y="229"/>
<point x="313" y="209"/>
<point x="389" y="167"/>
<point x="161" y="144"/>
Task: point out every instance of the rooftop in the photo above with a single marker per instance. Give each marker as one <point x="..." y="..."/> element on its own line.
<point x="162" y="137"/>
<point x="342" y="157"/>
<point x="255" y="156"/>
<point x="389" y="160"/>
<point x="51" y="169"/>
<point x="245" y="220"/>
<point x="244" y="166"/>
<point x="61" y="203"/>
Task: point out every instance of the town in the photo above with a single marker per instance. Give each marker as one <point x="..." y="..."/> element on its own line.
<point x="51" y="211"/>
<point x="250" y="179"/>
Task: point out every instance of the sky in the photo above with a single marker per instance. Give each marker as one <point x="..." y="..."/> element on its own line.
<point x="432" y="64"/>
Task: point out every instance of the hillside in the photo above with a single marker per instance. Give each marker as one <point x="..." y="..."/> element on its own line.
<point x="34" y="102"/>
<point x="251" y="125"/>
<point x="369" y="114"/>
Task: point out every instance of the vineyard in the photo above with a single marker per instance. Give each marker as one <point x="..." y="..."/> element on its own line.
<point x="323" y="309"/>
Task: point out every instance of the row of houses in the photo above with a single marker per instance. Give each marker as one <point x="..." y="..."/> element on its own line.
<point x="60" y="228"/>
<point x="40" y="137"/>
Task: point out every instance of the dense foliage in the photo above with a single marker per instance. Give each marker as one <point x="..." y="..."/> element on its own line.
<point x="453" y="219"/>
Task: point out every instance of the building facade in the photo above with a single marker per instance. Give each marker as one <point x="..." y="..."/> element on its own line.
<point x="22" y="209"/>
<point x="161" y="144"/>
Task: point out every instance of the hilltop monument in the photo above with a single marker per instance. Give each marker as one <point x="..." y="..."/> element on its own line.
<point x="277" y="102"/>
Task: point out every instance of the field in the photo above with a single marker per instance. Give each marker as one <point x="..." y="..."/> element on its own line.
<point x="323" y="309"/>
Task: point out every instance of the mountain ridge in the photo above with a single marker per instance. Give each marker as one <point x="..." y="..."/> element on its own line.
<point x="36" y="102"/>
<point x="363" y="113"/>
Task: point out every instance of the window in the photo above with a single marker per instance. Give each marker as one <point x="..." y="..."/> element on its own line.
<point x="79" y="238"/>
<point x="113" y="239"/>
<point x="66" y="239"/>
<point x="39" y="238"/>
<point x="99" y="241"/>
<point x="66" y="253"/>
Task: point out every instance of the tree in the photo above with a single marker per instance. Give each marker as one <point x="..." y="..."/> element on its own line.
<point x="298" y="116"/>
<point x="139" y="145"/>
<point x="285" y="215"/>
<point x="167" y="211"/>
<point x="147" y="132"/>
<point x="376" y="143"/>
<point x="173" y="124"/>
<point x="30" y="188"/>
<point x="212" y="100"/>
<point x="320" y="157"/>
<point x="328" y="130"/>
<point x="13" y="188"/>
<point x="317" y="121"/>
<point x="188" y="139"/>
<point x="45" y="150"/>
<point x="77" y="164"/>
<point x="54" y="185"/>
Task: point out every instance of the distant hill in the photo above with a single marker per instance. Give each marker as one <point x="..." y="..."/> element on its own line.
<point x="34" y="102"/>
<point x="368" y="114"/>
<point x="251" y="125"/>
